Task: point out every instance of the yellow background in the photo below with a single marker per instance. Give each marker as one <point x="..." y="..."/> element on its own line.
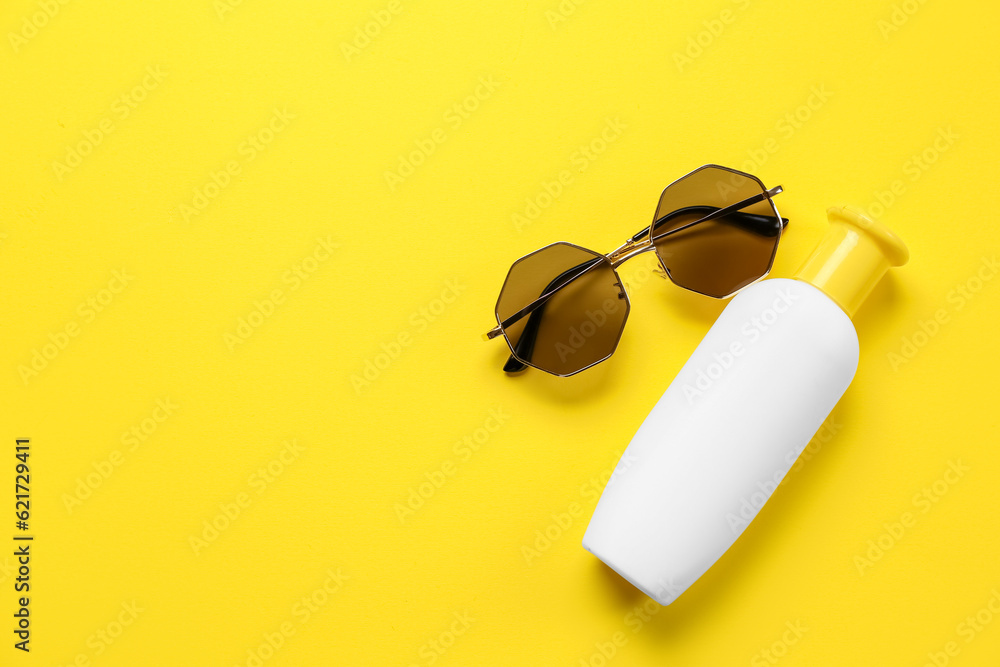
<point x="689" y="83"/>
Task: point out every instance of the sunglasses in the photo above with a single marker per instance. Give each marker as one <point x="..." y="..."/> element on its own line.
<point x="562" y="309"/>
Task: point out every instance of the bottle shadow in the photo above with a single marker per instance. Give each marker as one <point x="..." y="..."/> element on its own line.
<point x="687" y="306"/>
<point x="887" y="295"/>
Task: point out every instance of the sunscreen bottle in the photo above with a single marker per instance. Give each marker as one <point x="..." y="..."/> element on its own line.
<point x="739" y="413"/>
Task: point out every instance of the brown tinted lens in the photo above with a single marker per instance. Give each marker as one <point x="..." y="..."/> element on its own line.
<point x="719" y="256"/>
<point x="577" y="326"/>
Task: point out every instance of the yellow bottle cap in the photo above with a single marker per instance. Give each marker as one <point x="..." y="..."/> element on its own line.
<point x="852" y="257"/>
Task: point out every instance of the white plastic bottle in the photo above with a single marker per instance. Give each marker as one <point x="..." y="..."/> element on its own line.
<point x="739" y="413"/>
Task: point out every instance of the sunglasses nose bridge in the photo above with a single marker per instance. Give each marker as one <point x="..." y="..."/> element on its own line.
<point x="627" y="251"/>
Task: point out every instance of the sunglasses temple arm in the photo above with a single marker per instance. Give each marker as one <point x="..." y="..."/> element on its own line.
<point x="749" y="201"/>
<point x="549" y="291"/>
<point x="528" y="336"/>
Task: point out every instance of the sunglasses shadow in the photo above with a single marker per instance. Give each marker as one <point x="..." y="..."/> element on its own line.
<point x="688" y="306"/>
<point x="589" y="385"/>
<point x="646" y="282"/>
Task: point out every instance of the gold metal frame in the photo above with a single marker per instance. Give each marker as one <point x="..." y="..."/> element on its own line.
<point x="640" y="243"/>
